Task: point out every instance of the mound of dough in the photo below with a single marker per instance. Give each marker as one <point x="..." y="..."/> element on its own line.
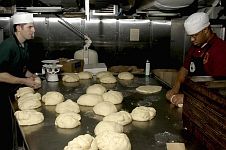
<point x="121" y="117"/>
<point x="103" y="73"/>
<point x="89" y="99"/>
<point x="108" y="79"/>
<point x="143" y="113"/>
<point x="67" y="106"/>
<point x="52" y="98"/>
<point x="70" y="78"/>
<point x="82" y="142"/>
<point x="24" y="90"/>
<point x="85" y="75"/>
<point x="113" y="141"/>
<point x="148" y="89"/>
<point x="114" y="97"/>
<point x="29" y="117"/>
<point x="104" y="108"/>
<point x="33" y="96"/>
<point x="104" y="126"/>
<point x="29" y="103"/>
<point x="125" y="76"/>
<point x="96" y="89"/>
<point x="68" y="120"/>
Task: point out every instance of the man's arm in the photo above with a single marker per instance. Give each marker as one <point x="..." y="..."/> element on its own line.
<point x="8" y="78"/>
<point x="182" y="73"/>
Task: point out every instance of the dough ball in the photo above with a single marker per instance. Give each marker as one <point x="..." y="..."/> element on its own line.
<point x="104" y="108"/>
<point x="103" y="73"/>
<point x="148" y="89"/>
<point x="125" y="76"/>
<point x="113" y="141"/>
<point x="104" y="126"/>
<point x="29" y="117"/>
<point x="96" y="89"/>
<point x="52" y="98"/>
<point x="114" y="97"/>
<point x="67" y="106"/>
<point x="33" y="96"/>
<point x="70" y="78"/>
<point x="82" y="142"/>
<point x="29" y="103"/>
<point x="108" y="79"/>
<point x="121" y="117"/>
<point x="143" y="113"/>
<point x="38" y="80"/>
<point x="85" y="75"/>
<point x="24" y="90"/>
<point x="68" y="120"/>
<point x="89" y="99"/>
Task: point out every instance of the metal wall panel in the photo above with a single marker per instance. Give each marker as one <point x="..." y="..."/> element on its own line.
<point x="110" y="37"/>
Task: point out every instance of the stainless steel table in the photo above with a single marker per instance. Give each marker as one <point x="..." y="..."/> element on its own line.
<point x="166" y="127"/>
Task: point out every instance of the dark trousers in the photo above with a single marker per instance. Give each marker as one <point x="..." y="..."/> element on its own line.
<point x="6" y="123"/>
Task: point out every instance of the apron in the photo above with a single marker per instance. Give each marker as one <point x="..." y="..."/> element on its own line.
<point x="196" y="65"/>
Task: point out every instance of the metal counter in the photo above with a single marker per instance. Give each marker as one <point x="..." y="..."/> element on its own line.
<point x="154" y="134"/>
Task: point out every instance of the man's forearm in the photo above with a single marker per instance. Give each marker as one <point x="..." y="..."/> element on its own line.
<point x="8" y="78"/>
<point x="180" y="79"/>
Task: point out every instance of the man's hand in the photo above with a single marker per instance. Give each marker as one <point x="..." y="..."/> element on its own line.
<point x="31" y="83"/>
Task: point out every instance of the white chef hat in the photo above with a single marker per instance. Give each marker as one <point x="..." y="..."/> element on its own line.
<point x="22" y="17"/>
<point x="196" y="22"/>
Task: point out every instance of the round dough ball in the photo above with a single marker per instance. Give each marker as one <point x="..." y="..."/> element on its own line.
<point x="52" y="98"/>
<point x="143" y="113"/>
<point x="89" y="99"/>
<point x="113" y="141"/>
<point x="70" y="78"/>
<point x="96" y="89"/>
<point x="104" y="108"/>
<point x="103" y="73"/>
<point x="85" y="75"/>
<point x="24" y="90"/>
<point x="82" y="142"/>
<point x="114" y="97"/>
<point x="29" y="103"/>
<point x="28" y="117"/>
<point x="121" y="117"/>
<point x="108" y="79"/>
<point x="68" y="120"/>
<point x="33" y="96"/>
<point x="104" y="126"/>
<point x="148" y="89"/>
<point x="67" y="106"/>
<point x="125" y="76"/>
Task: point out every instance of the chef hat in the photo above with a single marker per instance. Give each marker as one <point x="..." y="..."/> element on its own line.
<point x="22" y="17"/>
<point x="196" y="22"/>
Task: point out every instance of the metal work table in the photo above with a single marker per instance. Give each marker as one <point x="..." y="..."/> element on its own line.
<point x="167" y="126"/>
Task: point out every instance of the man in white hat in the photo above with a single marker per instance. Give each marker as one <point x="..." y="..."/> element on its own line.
<point x="206" y="56"/>
<point x="13" y="69"/>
